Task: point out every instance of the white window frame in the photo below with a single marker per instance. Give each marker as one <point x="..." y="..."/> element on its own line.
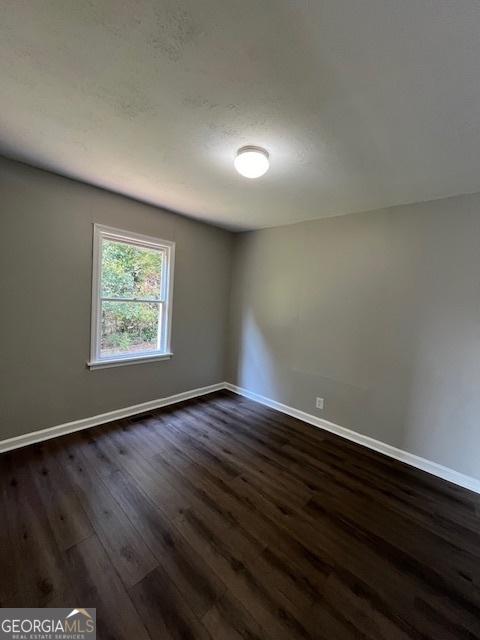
<point x="163" y="352"/>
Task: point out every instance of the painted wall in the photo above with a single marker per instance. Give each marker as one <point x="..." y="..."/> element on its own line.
<point x="378" y="313"/>
<point x="46" y="226"/>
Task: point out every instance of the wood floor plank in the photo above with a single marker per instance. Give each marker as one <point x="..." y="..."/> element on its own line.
<point x="360" y="561"/>
<point x="197" y="491"/>
<point x="173" y="435"/>
<point x="197" y="583"/>
<point x="96" y="584"/>
<point x="127" y="551"/>
<point x="425" y="512"/>
<point x="216" y="437"/>
<point x="420" y="544"/>
<point x="221" y="518"/>
<point x="122" y="446"/>
<point x="229" y="620"/>
<point x="411" y="479"/>
<point x="38" y="572"/>
<point x="406" y="477"/>
<point x="251" y="587"/>
<point x="273" y="455"/>
<point x="68" y="520"/>
<point x="273" y="424"/>
<point x="166" y="614"/>
<point x="356" y="612"/>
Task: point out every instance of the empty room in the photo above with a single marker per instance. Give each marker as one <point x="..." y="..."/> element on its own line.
<point x="240" y="320"/>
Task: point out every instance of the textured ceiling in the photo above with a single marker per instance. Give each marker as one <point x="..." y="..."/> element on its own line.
<point x="360" y="104"/>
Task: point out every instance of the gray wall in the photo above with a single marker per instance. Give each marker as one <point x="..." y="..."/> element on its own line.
<point x="379" y="313"/>
<point x="45" y="298"/>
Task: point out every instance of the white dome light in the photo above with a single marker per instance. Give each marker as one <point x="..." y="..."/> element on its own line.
<point x="252" y="162"/>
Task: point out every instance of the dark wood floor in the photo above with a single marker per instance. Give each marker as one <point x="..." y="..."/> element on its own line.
<point x="219" y="518"/>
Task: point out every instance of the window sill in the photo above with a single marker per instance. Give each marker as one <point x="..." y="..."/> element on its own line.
<point x="118" y="362"/>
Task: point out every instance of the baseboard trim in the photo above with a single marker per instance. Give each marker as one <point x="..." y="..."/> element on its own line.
<point x="371" y="443"/>
<point x="102" y="418"/>
<point x="411" y="459"/>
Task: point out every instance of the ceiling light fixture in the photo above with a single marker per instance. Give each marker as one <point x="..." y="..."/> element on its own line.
<point x="252" y="162"/>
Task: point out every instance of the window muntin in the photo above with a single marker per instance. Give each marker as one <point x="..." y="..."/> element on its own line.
<point x="131" y="300"/>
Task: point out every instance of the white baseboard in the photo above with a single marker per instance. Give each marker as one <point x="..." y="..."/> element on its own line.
<point x="404" y="456"/>
<point x="117" y="414"/>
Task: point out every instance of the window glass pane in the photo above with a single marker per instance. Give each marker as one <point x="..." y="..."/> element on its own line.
<point x="129" y="327"/>
<point x="129" y="271"/>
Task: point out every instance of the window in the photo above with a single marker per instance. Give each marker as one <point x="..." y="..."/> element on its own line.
<point x="131" y="298"/>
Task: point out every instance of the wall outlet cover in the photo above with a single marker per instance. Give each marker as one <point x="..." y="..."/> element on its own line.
<point x="320" y="404"/>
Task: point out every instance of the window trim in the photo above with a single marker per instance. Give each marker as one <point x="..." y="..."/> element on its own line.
<point x="101" y="232"/>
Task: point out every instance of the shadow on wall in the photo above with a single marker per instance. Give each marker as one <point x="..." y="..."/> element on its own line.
<point x="378" y="313"/>
<point x="414" y="425"/>
<point x="258" y="367"/>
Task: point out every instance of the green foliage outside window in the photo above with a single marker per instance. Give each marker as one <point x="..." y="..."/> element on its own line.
<point x="129" y="271"/>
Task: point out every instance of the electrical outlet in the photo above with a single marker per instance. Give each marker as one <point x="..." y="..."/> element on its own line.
<point x="320" y="403"/>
